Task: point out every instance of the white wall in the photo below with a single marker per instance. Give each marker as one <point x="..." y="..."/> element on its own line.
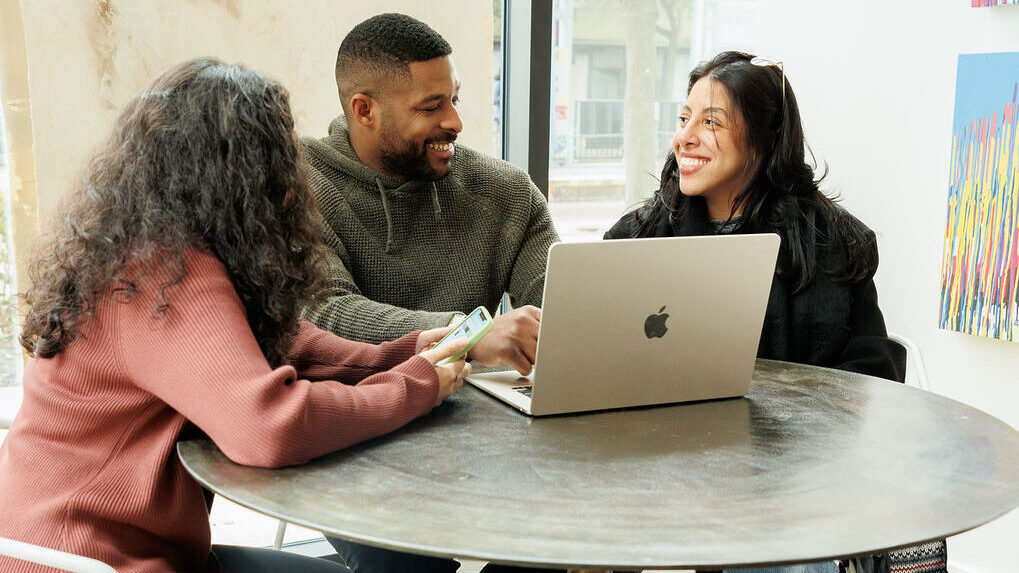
<point x="876" y="84"/>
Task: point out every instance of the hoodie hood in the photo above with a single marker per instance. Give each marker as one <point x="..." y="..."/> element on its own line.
<point x="337" y="152"/>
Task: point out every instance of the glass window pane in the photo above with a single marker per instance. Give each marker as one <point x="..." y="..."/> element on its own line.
<point x="619" y="74"/>
<point x="498" y="8"/>
<point x="10" y="350"/>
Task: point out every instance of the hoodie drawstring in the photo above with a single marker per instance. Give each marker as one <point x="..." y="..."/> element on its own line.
<point x="436" y="210"/>
<point x="435" y="202"/>
<point x="389" y="218"/>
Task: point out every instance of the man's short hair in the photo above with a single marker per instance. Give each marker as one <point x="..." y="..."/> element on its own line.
<point x="381" y="48"/>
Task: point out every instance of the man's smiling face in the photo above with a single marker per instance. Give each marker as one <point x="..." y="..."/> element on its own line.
<point x="420" y="121"/>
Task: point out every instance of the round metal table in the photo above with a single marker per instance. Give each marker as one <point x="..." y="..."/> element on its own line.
<point x="811" y="464"/>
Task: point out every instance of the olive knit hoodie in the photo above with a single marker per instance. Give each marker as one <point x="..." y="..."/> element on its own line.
<point x="411" y="253"/>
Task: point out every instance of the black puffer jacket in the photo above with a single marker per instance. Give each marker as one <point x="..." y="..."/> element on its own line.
<point x="831" y="322"/>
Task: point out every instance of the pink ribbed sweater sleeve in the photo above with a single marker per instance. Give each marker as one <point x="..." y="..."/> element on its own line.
<point x="321" y="355"/>
<point x="202" y="359"/>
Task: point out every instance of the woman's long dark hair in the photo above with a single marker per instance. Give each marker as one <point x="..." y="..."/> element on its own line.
<point x="781" y="194"/>
<point x="206" y="158"/>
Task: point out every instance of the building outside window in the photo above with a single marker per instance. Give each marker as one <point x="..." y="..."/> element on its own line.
<point x="498" y="11"/>
<point x="10" y="353"/>
<point x="619" y="75"/>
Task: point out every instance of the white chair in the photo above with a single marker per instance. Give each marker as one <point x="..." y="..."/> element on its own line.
<point x="916" y="371"/>
<point x="52" y="557"/>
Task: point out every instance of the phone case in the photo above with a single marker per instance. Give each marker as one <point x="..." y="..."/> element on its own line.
<point x="473" y="336"/>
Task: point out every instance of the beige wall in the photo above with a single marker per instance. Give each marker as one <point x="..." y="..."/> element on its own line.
<point x="80" y="61"/>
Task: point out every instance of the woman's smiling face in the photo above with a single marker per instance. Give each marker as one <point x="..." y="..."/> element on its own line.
<point x="713" y="159"/>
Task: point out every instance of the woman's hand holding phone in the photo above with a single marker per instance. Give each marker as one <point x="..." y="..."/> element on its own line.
<point x="428" y="338"/>
<point x="451" y="374"/>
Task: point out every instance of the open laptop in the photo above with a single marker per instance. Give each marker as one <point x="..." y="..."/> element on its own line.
<point x="635" y="322"/>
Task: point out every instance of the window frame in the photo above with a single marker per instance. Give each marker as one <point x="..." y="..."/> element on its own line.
<point x="527" y="86"/>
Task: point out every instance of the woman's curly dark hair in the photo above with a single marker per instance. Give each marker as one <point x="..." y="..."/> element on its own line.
<point x="206" y="158"/>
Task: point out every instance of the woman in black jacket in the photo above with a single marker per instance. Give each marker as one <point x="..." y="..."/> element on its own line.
<point x="738" y="166"/>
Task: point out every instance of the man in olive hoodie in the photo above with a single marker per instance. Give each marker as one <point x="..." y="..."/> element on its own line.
<point x="423" y="229"/>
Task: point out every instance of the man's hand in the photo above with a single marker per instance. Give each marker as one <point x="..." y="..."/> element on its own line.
<point x="512" y="340"/>
<point x="451" y="375"/>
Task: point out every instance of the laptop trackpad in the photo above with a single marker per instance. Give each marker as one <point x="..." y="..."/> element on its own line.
<point x="508" y="386"/>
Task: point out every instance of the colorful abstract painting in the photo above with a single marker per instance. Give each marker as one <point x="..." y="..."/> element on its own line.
<point x="980" y="265"/>
<point x="985" y="3"/>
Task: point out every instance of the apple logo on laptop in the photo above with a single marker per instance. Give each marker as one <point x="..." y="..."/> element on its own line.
<point x="654" y="326"/>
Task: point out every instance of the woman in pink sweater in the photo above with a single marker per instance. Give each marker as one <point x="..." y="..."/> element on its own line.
<point x="168" y="296"/>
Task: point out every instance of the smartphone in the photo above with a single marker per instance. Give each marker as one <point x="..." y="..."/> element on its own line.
<point x="473" y="327"/>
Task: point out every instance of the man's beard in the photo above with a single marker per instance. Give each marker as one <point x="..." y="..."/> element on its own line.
<point x="406" y="159"/>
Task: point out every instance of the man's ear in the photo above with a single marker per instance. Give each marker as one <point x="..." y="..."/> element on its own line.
<point x="364" y="110"/>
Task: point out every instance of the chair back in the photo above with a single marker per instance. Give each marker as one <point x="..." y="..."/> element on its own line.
<point x="916" y="371"/>
<point x="929" y="557"/>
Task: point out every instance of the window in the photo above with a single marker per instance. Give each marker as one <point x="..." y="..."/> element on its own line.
<point x="498" y="9"/>
<point x="619" y="75"/>
<point x="10" y="351"/>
